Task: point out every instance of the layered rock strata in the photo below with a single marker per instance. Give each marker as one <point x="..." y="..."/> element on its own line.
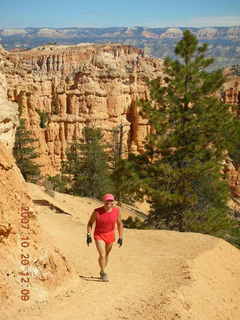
<point x="79" y="86"/>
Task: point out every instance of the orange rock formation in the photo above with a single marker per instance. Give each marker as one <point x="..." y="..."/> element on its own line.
<point x="24" y="248"/>
<point x="95" y="84"/>
<point x="77" y="86"/>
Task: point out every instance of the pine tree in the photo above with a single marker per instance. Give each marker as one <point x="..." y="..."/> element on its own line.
<point x="87" y="164"/>
<point x="123" y="171"/>
<point x="24" y="153"/>
<point x="127" y="178"/>
<point x="181" y="168"/>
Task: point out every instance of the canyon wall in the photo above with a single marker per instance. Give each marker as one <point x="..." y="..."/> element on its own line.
<point x="79" y="86"/>
<point x="29" y="260"/>
<point x="231" y="89"/>
<point x="89" y="84"/>
<point x="8" y="109"/>
<point x="231" y="95"/>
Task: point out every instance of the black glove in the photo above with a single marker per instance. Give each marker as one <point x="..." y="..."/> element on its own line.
<point x="120" y="240"/>
<point x="89" y="239"/>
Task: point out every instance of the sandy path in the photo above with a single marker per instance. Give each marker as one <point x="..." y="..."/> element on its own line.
<point x="154" y="275"/>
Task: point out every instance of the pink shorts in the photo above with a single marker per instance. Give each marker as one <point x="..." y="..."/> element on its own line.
<point x="107" y="237"/>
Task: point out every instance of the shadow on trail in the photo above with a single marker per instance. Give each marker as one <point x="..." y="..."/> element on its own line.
<point x="46" y="203"/>
<point x="91" y="278"/>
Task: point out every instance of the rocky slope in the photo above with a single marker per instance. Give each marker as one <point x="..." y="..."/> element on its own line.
<point x="24" y="247"/>
<point x="77" y="86"/>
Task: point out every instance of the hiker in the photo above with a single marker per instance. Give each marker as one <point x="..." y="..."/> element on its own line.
<point x="106" y="218"/>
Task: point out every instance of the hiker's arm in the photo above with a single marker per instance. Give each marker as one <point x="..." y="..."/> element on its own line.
<point x="120" y="225"/>
<point x="91" y="221"/>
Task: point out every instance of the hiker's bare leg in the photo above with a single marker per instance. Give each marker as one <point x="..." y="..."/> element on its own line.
<point x="101" y="251"/>
<point x="108" y="248"/>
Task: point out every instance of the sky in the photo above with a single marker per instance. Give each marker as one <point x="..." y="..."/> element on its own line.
<point x="124" y="13"/>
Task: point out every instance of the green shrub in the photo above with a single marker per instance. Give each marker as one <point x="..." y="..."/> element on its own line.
<point x="59" y="183"/>
<point x="48" y="187"/>
<point x="44" y="117"/>
<point x="24" y="153"/>
<point x="135" y="223"/>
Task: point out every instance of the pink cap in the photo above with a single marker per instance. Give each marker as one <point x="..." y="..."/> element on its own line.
<point x="108" y="196"/>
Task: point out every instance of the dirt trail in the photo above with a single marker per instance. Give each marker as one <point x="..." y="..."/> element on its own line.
<point x="156" y="274"/>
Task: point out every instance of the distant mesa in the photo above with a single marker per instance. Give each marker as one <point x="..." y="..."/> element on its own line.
<point x="11" y="32"/>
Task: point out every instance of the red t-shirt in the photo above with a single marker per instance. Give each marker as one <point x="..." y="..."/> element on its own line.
<point x="105" y="221"/>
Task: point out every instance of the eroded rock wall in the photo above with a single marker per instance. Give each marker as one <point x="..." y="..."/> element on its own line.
<point x="78" y="86"/>
<point x="89" y="84"/>
<point x="8" y="109"/>
<point x="43" y="264"/>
